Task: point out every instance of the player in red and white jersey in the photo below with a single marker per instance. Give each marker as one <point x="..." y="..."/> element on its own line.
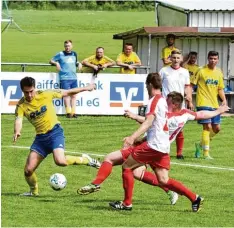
<point x="176" y="78"/>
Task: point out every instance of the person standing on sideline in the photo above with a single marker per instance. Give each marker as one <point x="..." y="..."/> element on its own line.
<point x="176" y="78"/>
<point x="166" y="51"/>
<point x="128" y="60"/>
<point x="66" y="63"/>
<point x="191" y="66"/>
<point x="97" y="62"/>
<point x="38" y="108"/>
<point x="154" y="151"/>
<point x="210" y="86"/>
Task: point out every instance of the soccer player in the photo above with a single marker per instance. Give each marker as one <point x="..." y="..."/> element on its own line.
<point x="128" y="60"/>
<point x="166" y="51"/>
<point x="210" y="85"/>
<point x="38" y="108"/>
<point x="176" y="78"/>
<point x="177" y="118"/>
<point x="97" y="62"/>
<point x="191" y="66"/>
<point x="154" y="151"/>
<point x="66" y="64"/>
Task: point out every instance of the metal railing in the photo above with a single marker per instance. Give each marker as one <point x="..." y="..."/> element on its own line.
<point x="24" y="65"/>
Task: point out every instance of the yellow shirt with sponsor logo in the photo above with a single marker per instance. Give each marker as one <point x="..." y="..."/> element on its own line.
<point x="93" y="60"/>
<point x="208" y="83"/>
<point x="166" y="53"/>
<point x="131" y="59"/>
<point x="191" y="68"/>
<point x="40" y="112"/>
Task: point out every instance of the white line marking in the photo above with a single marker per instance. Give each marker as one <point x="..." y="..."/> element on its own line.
<point x="102" y="155"/>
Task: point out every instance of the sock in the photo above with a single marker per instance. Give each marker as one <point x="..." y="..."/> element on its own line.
<point x="178" y="187"/>
<point x="128" y="185"/>
<point x="180" y="143"/>
<point x="73" y="160"/>
<point x="151" y="179"/>
<point x="103" y="172"/>
<point x="206" y="142"/>
<point x="32" y="182"/>
<point x="73" y="110"/>
<point x="68" y="110"/>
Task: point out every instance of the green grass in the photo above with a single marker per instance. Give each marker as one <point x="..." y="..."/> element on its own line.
<point x="87" y="30"/>
<point x="101" y="135"/>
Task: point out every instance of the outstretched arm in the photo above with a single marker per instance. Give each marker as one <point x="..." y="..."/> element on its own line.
<point x="210" y="114"/>
<point x="139" y="119"/>
<point x="74" y="91"/>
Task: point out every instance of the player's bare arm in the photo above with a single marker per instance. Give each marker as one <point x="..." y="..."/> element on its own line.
<point x="129" y="141"/>
<point x="74" y="91"/>
<point x="17" y="128"/>
<point x="222" y="96"/>
<point x="58" y="67"/>
<point x="87" y="64"/>
<point x="139" y="119"/>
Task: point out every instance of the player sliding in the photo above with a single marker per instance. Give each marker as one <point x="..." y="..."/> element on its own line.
<point x="38" y="108"/>
<point x="176" y="122"/>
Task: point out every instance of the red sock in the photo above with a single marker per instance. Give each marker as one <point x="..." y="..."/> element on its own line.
<point x="180" y="143"/>
<point x="178" y="187"/>
<point x="128" y="185"/>
<point x="103" y="172"/>
<point x="150" y="178"/>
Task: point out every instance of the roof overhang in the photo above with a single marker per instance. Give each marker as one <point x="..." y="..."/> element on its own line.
<point x="179" y="32"/>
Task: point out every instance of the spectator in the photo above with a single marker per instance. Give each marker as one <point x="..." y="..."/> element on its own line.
<point x="128" y="60"/>
<point x="97" y="62"/>
<point x="210" y="85"/>
<point x="66" y="64"/>
<point x="176" y="78"/>
<point x="166" y="51"/>
<point x="191" y="66"/>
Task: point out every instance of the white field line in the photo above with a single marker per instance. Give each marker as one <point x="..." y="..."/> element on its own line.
<point x="102" y="155"/>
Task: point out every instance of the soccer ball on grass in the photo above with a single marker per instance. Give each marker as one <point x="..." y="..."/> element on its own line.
<point x="57" y="181"/>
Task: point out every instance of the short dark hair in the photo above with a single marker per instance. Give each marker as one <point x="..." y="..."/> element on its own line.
<point x="67" y="41"/>
<point x="193" y="53"/>
<point x="176" y="52"/>
<point x="155" y="80"/>
<point x="27" y="81"/>
<point x="213" y="53"/>
<point x="128" y="44"/>
<point x="100" y="48"/>
<point x="170" y="36"/>
<point x="176" y="98"/>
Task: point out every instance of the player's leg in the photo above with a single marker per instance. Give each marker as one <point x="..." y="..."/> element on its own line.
<point x="73" y="99"/>
<point x="150" y="178"/>
<point x="112" y="159"/>
<point x="179" y="145"/>
<point x="206" y="140"/>
<point x="215" y="123"/>
<point x="33" y="161"/>
<point x="64" y="84"/>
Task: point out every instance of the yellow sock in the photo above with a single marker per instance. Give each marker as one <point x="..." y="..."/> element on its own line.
<point x="68" y="110"/>
<point x="32" y="182"/>
<point x="73" y="110"/>
<point x="206" y="142"/>
<point x="73" y="160"/>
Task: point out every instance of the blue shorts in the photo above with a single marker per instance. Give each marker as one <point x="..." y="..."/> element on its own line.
<point x="68" y="84"/>
<point x="214" y="120"/>
<point x="44" y="144"/>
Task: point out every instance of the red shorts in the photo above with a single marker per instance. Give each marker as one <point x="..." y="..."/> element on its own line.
<point x="146" y="155"/>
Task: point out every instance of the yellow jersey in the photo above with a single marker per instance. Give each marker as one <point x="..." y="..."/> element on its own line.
<point x="166" y="53"/>
<point x="131" y="59"/>
<point x="93" y="60"/>
<point x="208" y="83"/>
<point x="191" y="68"/>
<point x="40" y="112"/>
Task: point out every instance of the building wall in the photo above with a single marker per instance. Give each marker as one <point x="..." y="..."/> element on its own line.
<point x="201" y="45"/>
<point x="211" y="19"/>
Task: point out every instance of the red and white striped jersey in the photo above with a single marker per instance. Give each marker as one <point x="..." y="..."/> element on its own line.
<point x="177" y="120"/>
<point x="158" y="133"/>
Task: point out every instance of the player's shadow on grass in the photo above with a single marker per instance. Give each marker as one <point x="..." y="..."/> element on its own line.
<point x="10" y="194"/>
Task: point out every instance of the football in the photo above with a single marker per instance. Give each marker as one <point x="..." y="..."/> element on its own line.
<point x="57" y="181"/>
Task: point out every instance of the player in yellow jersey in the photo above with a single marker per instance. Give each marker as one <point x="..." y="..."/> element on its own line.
<point x="97" y="62"/>
<point x="128" y="60"/>
<point x="38" y="108"/>
<point x="191" y="66"/>
<point x="210" y="85"/>
<point x="166" y="51"/>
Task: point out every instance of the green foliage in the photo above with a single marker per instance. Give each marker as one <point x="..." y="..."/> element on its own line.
<point x="151" y="207"/>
